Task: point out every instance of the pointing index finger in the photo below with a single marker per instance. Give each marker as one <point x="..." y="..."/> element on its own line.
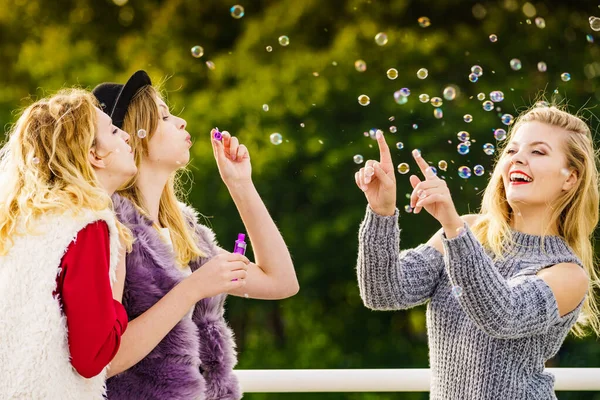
<point x="384" y="151"/>
<point x="423" y="166"/>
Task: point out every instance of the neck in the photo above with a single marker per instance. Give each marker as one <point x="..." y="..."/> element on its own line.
<point x="151" y="183"/>
<point x="107" y="183"/>
<point x="532" y="221"/>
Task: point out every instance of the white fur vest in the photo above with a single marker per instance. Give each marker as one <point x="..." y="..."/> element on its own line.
<point x="34" y="352"/>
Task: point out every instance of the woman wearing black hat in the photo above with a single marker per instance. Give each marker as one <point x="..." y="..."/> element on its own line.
<point x="178" y="344"/>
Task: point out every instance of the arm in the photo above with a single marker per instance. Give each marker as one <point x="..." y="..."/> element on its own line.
<point x="518" y="307"/>
<point x="387" y="279"/>
<point x="118" y="285"/>
<point x="273" y="275"/>
<point x="95" y="321"/>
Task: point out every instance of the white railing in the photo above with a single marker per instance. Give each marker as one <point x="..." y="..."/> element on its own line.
<point x="380" y="380"/>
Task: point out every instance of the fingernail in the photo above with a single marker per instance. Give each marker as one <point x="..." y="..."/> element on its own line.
<point x="416" y="153"/>
<point x="378" y="134"/>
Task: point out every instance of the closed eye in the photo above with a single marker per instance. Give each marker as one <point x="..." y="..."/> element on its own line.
<point x="165" y="118"/>
<point x="538" y="152"/>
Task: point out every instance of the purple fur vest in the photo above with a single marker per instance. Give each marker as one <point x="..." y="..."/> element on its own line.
<point x="195" y="360"/>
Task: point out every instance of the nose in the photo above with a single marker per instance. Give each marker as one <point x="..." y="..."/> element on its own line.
<point x="182" y="123"/>
<point x="517" y="158"/>
<point x="125" y="136"/>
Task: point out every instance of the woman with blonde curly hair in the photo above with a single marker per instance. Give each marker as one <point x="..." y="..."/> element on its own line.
<point x="505" y="286"/>
<point x="61" y="271"/>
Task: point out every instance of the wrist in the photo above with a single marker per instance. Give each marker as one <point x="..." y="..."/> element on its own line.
<point x="384" y="211"/>
<point x="239" y="185"/>
<point x="452" y="227"/>
<point x="189" y="292"/>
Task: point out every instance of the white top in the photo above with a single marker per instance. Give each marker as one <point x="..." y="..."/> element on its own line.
<point x="187" y="271"/>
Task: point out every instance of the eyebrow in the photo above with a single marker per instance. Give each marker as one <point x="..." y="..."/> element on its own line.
<point x="535" y="143"/>
<point x="163" y="106"/>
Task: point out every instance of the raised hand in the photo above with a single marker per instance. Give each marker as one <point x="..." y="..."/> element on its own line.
<point x="432" y="194"/>
<point x="377" y="180"/>
<point x="233" y="159"/>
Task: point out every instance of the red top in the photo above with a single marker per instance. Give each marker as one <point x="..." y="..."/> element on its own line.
<point x="95" y="321"/>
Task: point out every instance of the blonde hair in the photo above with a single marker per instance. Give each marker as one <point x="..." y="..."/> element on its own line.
<point x="143" y="113"/>
<point x="575" y="211"/>
<point x="44" y="165"/>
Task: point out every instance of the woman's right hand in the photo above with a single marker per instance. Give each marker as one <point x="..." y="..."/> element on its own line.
<point x="223" y="273"/>
<point x="378" y="181"/>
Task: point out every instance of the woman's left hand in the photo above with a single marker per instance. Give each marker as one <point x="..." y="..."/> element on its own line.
<point x="233" y="160"/>
<point x="432" y="194"/>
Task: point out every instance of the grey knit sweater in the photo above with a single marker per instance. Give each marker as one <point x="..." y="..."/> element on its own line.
<point x="491" y="325"/>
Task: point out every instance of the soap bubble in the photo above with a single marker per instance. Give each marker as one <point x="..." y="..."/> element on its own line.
<point x="265" y="107"/>
<point x="269" y="49"/>
<point x="436" y="102"/>
<point x="141" y="133"/>
<point x="468" y="118"/>
<point x="360" y="65"/>
<point x="211" y="65"/>
<point x="515" y="64"/>
<point x="589" y="38"/>
<point x="449" y="93"/>
<point x="237" y="11"/>
<point x="595" y="23"/>
<point x="392" y="73"/>
<point x="404" y="92"/>
<point x="358" y="159"/>
<point x="403" y="168"/>
<point x="477" y="70"/>
<point x="284" y="40"/>
<point x="473" y="78"/>
<point x="276" y="138"/>
<point x="489" y="149"/>
<point x="399" y="145"/>
<point x="463" y="136"/>
<point x="424" y="22"/>
<point x="197" y="51"/>
<point x="496" y="96"/>
<point x="565" y="76"/>
<point x="438" y="113"/>
<point x="540" y="22"/>
<point x="478" y="170"/>
<point x="399" y="97"/>
<point x="35" y="160"/>
<point x="443" y="165"/>
<point x="408" y="208"/>
<point x="500" y="134"/>
<point x="381" y="39"/>
<point x="541" y="66"/>
<point x="493" y="38"/>
<point x="464" y="172"/>
<point x="422" y="73"/>
<point x="393" y="129"/>
<point x="507" y="119"/>
<point x="481" y="96"/>
<point x="423" y="98"/>
<point x="364" y="100"/>
<point x="415" y="126"/>
<point x="462" y="148"/>
<point x="487" y="105"/>
<point x="456" y="291"/>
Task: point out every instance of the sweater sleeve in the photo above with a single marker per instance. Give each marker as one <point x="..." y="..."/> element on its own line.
<point x="95" y="321"/>
<point x="388" y="279"/>
<point x="503" y="308"/>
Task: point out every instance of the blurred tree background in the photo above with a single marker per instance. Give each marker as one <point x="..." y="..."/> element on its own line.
<point x="308" y="92"/>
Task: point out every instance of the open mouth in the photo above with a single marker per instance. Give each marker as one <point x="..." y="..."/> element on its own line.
<point x="520" y="178"/>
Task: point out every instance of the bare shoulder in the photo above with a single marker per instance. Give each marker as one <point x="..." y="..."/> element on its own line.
<point x="436" y="239"/>
<point x="569" y="283"/>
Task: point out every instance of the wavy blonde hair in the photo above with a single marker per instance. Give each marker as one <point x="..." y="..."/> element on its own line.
<point x="45" y="166"/>
<point x="575" y="211"/>
<point x="143" y="113"/>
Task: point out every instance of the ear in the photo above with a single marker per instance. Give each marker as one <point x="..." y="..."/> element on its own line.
<point x="96" y="161"/>
<point x="571" y="181"/>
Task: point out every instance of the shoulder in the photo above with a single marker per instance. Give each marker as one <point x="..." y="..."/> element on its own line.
<point x="569" y="283"/>
<point x="204" y="233"/>
<point x="436" y="239"/>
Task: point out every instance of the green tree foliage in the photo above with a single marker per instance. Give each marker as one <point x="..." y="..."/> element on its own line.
<point x="311" y="87"/>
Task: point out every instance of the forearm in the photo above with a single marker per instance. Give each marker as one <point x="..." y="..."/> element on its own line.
<point x="145" y="332"/>
<point x="117" y="288"/>
<point x="522" y="307"/>
<point x="388" y="279"/>
<point x="270" y="251"/>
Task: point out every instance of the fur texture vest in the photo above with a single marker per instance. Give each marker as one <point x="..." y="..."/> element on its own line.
<point x="34" y="351"/>
<point x="195" y="360"/>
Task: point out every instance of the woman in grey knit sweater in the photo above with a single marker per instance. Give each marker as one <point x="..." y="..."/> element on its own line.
<point x="504" y="287"/>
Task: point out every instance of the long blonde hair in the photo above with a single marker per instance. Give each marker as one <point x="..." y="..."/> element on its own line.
<point x="44" y="166"/>
<point x="575" y="211"/>
<point x="143" y="113"/>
